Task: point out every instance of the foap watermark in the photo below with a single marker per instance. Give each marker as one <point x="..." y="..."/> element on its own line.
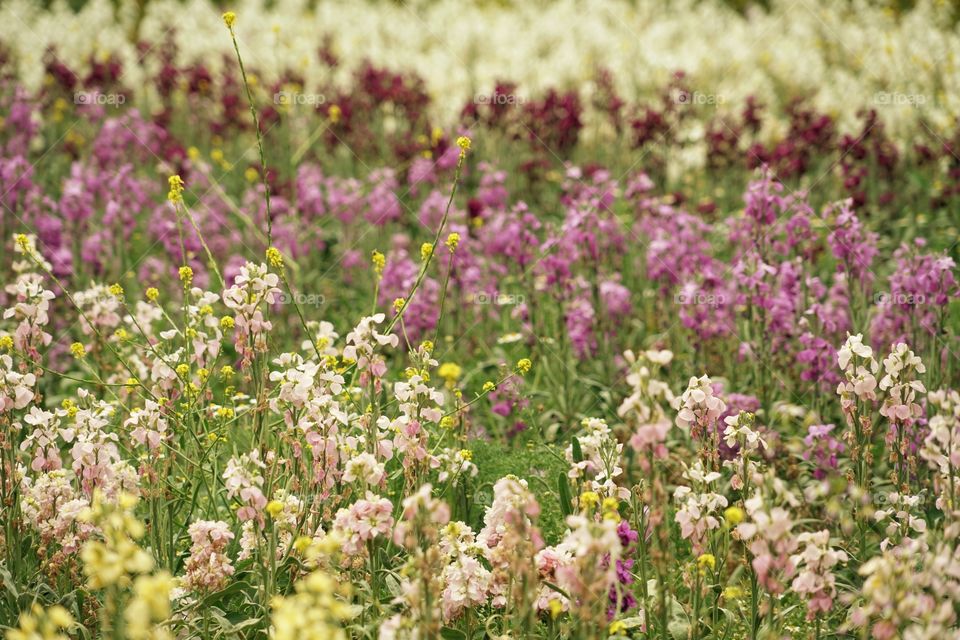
<point x="301" y="299"/>
<point x="899" y="299"/>
<point x="700" y="298"/>
<point x="297" y="99"/>
<point x="498" y="99"/>
<point x="99" y="99"/>
<point x="897" y="99"/>
<point x="698" y="98"/>
<point x="499" y="299"/>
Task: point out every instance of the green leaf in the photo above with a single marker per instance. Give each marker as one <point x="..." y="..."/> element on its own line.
<point x="452" y="634"/>
<point x="566" y="500"/>
<point x="577" y="452"/>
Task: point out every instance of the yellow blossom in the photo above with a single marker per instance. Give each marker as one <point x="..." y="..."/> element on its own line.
<point x="556" y="608"/>
<point x="6" y="343"/>
<point x="152" y="294"/>
<point x="251" y="174"/>
<point x="379" y="263"/>
<point x="175" y="194"/>
<point x="398" y="304"/>
<point x="465" y="454"/>
<point x="616" y="627"/>
<point x="334" y="112"/>
<point x="186" y="275"/>
<point x="450" y="372"/>
<point x="488" y="386"/>
<point x="589" y="500"/>
<point x="426" y="250"/>
<point x="229" y="18"/>
<point x="226" y="323"/>
<point x="452" y="241"/>
<point x="42" y="624"/>
<point x="274" y="508"/>
<point x="116" y="290"/>
<point x="705" y="561"/>
<point x="464" y="143"/>
<point x="275" y="258"/>
<point x="733" y="593"/>
<point x="77" y="350"/>
<point x="733" y="515"/>
<point x="447" y="422"/>
<point x="523" y="366"/>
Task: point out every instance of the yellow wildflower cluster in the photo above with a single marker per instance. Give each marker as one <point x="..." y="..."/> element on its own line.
<point x="379" y="263"/>
<point x="314" y="612"/>
<point x="77" y="350"/>
<point x="114" y="559"/>
<point x="42" y="624"/>
<point x="275" y="258"/>
<point x="450" y="372"/>
<point x="175" y="194"/>
<point x="426" y="250"/>
<point x="149" y="606"/>
<point x="452" y="241"/>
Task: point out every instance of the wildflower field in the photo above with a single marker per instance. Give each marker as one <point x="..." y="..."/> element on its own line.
<point x="479" y="319"/>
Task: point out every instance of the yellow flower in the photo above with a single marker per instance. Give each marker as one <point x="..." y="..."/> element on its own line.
<point x="398" y="304"/>
<point x="183" y="370"/>
<point x="379" y="263"/>
<point x="733" y="515"/>
<point x="229" y="18"/>
<point x="589" y="500"/>
<point x="556" y="608"/>
<point x="186" y="275"/>
<point x="175" y="195"/>
<point x="465" y="454"/>
<point x="426" y="250"/>
<point x="78" y="350"/>
<point x="733" y="593"/>
<point x="152" y="294"/>
<point x="334" y="112"/>
<point x="226" y="323"/>
<point x="523" y="366"/>
<point x="251" y="174"/>
<point x="275" y="258"/>
<point x="464" y="143"/>
<point x="427" y="346"/>
<point x="226" y="371"/>
<point x="302" y="543"/>
<point x="447" y="422"/>
<point x="488" y="386"/>
<point x="452" y="241"/>
<point x="6" y="343"/>
<point x="450" y="372"/>
<point x="274" y="508"/>
<point x="611" y="509"/>
<point x="40" y="624"/>
<point x="706" y="560"/>
<point x="22" y="241"/>
<point x="617" y="627"/>
<point x="116" y="290"/>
